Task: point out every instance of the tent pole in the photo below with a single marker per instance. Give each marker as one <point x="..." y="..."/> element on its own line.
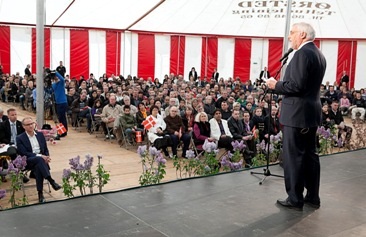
<point x="40" y="11"/>
<point x="287" y="31"/>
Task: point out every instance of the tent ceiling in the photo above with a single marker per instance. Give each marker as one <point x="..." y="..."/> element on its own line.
<point x="331" y="18"/>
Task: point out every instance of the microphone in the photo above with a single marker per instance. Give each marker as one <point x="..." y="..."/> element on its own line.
<point x="286" y="54"/>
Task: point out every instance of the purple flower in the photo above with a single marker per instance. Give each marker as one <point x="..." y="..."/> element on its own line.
<point x="20" y="162"/>
<point x="88" y="163"/>
<point x="225" y="161"/>
<point x="153" y="151"/>
<point x="2" y="193"/>
<point x="74" y="162"/>
<point x="66" y="174"/>
<point x="141" y="150"/>
<point x="190" y="154"/>
<point x="160" y="159"/>
<point x="12" y="169"/>
<point x="238" y="146"/>
<point x="236" y="165"/>
<point x="209" y="146"/>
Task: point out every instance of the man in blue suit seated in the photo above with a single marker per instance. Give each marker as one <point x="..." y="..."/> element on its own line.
<point x="33" y="145"/>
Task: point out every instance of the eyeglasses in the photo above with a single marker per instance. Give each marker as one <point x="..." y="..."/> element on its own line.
<point x="27" y="124"/>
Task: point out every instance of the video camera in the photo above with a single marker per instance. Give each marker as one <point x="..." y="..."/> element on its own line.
<point x="49" y="74"/>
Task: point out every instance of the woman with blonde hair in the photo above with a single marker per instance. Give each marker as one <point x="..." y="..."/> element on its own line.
<point x="201" y="130"/>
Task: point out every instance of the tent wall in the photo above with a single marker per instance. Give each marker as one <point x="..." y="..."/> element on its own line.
<point x="154" y="55"/>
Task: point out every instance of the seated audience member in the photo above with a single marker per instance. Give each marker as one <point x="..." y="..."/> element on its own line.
<point x="209" y="105"/>
<point x="257" y="121"/>
<point x="358" y="106"/>
<point x="188" y="119"/>
<point x="161" y="110"/>
<point x="172" y="102"/>
<point x="271" y="123"/>
<point x="225" y="111"/>
<point x="336" y="118"/>
<point x="236" y="127"/>
<point x="80" y="109"/>
<point x="127" y="101"/>
<point x="9" y="129"/>
<point x="29" y="95"/>
<point x="175" y="129"/>
<point x="331" y="94"/>
<point x="141" y="115"/>
<point x="109" y="115"/>
<point x="128" y="123"/>
<point x="344" y="104"/>
<point x="33" y="145"/>
<point x="156" y="133"/>
<point x="249" y="131"/>
<point x="326" y="123"/>
<point x="201" y="130"/>
<point x="220" y="131"/>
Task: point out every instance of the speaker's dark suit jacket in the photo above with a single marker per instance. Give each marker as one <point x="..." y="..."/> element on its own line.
<point x="301" y="115"/>
<point x="5" y="131"/>
<point x="301" y="105"/>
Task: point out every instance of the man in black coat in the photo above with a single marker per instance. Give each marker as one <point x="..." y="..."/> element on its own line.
<point x="236" y="127"/>
<point x="300" y="117"/>
<point x="7" y="136"/>
<point x="27" y="71"/>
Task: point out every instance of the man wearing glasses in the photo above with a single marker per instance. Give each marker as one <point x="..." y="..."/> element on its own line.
<point x="33" y="145"/>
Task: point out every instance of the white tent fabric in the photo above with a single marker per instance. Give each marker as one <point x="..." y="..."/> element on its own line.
<point x="254" y="18"/>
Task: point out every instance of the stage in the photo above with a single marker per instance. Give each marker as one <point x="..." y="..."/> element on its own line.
<point x="231" y="204"/>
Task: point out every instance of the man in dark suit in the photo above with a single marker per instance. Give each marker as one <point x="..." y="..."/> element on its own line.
<point x="236" y="127"/>
<point x="215" y="75"/>
<point x="11" y="128"/>
<point x="193" y="74"/>
<point x="33" y="145"/>
<point x="27" y="71"/>
<point x="300" y="117"/>
<point x="264" y="74"/>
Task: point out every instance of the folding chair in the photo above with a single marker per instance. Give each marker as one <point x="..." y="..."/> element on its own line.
<point x="24" y="186"/>
<point x="95" y="125"/>
<point x="125" y="141"/>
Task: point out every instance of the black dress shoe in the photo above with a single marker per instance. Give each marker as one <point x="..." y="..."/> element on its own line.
<point x="32" y="175"/>
<point x="41" y="198"/>
<point x="55" y="186"/>
<point x="286" y="203"/>
<point x="64" y="134"/>
<point x="25" y="179"/>
<point x="248" y="152"/>
<point x="314" y="204"/>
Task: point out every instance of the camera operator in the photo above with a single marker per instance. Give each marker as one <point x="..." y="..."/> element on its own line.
<point x="58" y="86"/>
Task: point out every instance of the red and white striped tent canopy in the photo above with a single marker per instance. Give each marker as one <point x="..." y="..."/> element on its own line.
<point x="151" y="38"/>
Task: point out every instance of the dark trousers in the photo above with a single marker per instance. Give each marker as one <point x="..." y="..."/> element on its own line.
<point x="301" y="164"/>
<point x="225" y="142"/>
<point x="61" y="110"/>
<point x="40" y="168"/>
<point x="185" y="138"/>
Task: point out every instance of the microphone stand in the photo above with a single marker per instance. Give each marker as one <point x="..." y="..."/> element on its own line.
<point x="266" y="171"/>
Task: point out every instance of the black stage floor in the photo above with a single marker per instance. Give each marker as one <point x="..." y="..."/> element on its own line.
<point x="224" y="205"/>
